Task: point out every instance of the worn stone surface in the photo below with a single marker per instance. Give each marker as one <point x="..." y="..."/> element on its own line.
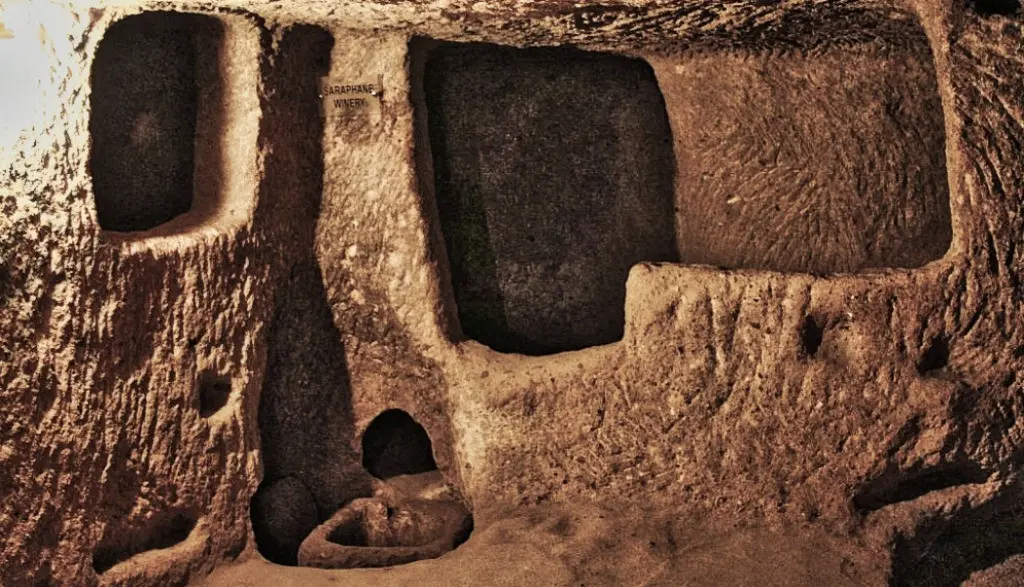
<point x="844" y="149"/>
<point x="879" y="409"/>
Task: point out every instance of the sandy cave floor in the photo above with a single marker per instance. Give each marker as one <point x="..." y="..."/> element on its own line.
<point x="590" y="545"/>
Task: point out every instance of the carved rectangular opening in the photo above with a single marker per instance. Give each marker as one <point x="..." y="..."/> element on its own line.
<point x="553" y="174"/>
<point x="155" y="74"/>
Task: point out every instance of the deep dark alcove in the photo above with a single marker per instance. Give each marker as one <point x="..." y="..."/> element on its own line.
<point x="811" y="335"/>
<point x="144" y="111"/>
<point x="305" y="405"/>
<point x="935" y="356"/>
<point x="553" y="175"/>
<point x="396" y="444"/>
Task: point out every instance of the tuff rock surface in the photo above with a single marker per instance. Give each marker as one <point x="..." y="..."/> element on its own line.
<point x="827" y="360"/>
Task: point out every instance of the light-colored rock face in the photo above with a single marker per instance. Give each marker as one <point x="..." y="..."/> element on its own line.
<point x="850" y="172"/>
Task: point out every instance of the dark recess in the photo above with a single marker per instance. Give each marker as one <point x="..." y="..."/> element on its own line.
<point x="351" y="534"/>
<point x="465" y="531"/>
<point x="283" y="513"/>
<point x="811" y="335"/>
<point x="962" y="548"/>
<point x="143" y="121"/>
<point x="935" y="357"/>
<point x="553" y="175"/>
<point x="395" y="444"/>
<point x="120" y="544"/>
<point x="304" y="416"/>
<point x="996" y="7"/>
<point x="214" y="391"/>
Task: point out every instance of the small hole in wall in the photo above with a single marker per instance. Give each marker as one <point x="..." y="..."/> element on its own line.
<point x="811" y="335"/>
<point x="935" y="356"/>
<point x="395" y="444"/>
<point x="145" y="101"/>
<point x="214" y="391"/>
<point x="996" y="7"/>
<point x="551" y="183"/>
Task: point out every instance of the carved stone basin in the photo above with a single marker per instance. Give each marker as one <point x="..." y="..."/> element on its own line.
<point x="391" y="528"/>
<point x="369" y="533"/>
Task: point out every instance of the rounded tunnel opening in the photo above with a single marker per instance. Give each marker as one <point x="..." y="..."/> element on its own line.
<point x="395" y="444"/>
<point x="414" y="513"/>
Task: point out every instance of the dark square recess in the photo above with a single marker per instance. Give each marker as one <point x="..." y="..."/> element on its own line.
<point x="553" y="174"/>
<point x="143" y="123"/>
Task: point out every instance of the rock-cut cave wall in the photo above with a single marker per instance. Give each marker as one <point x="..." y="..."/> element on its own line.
<point x="738" y="259"/>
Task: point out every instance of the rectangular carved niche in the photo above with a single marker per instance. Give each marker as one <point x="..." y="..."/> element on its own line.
<point x="174" y="118"/>
<point x="553" y="175"/>
<point x="822" y="161"/>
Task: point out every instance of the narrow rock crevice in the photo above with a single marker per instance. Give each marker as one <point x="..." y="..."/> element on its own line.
<point x="811" y="335"/>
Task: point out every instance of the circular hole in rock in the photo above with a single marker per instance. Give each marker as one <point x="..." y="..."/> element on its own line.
<point x="214" y="391"/>
<point x="395" y="444"/>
